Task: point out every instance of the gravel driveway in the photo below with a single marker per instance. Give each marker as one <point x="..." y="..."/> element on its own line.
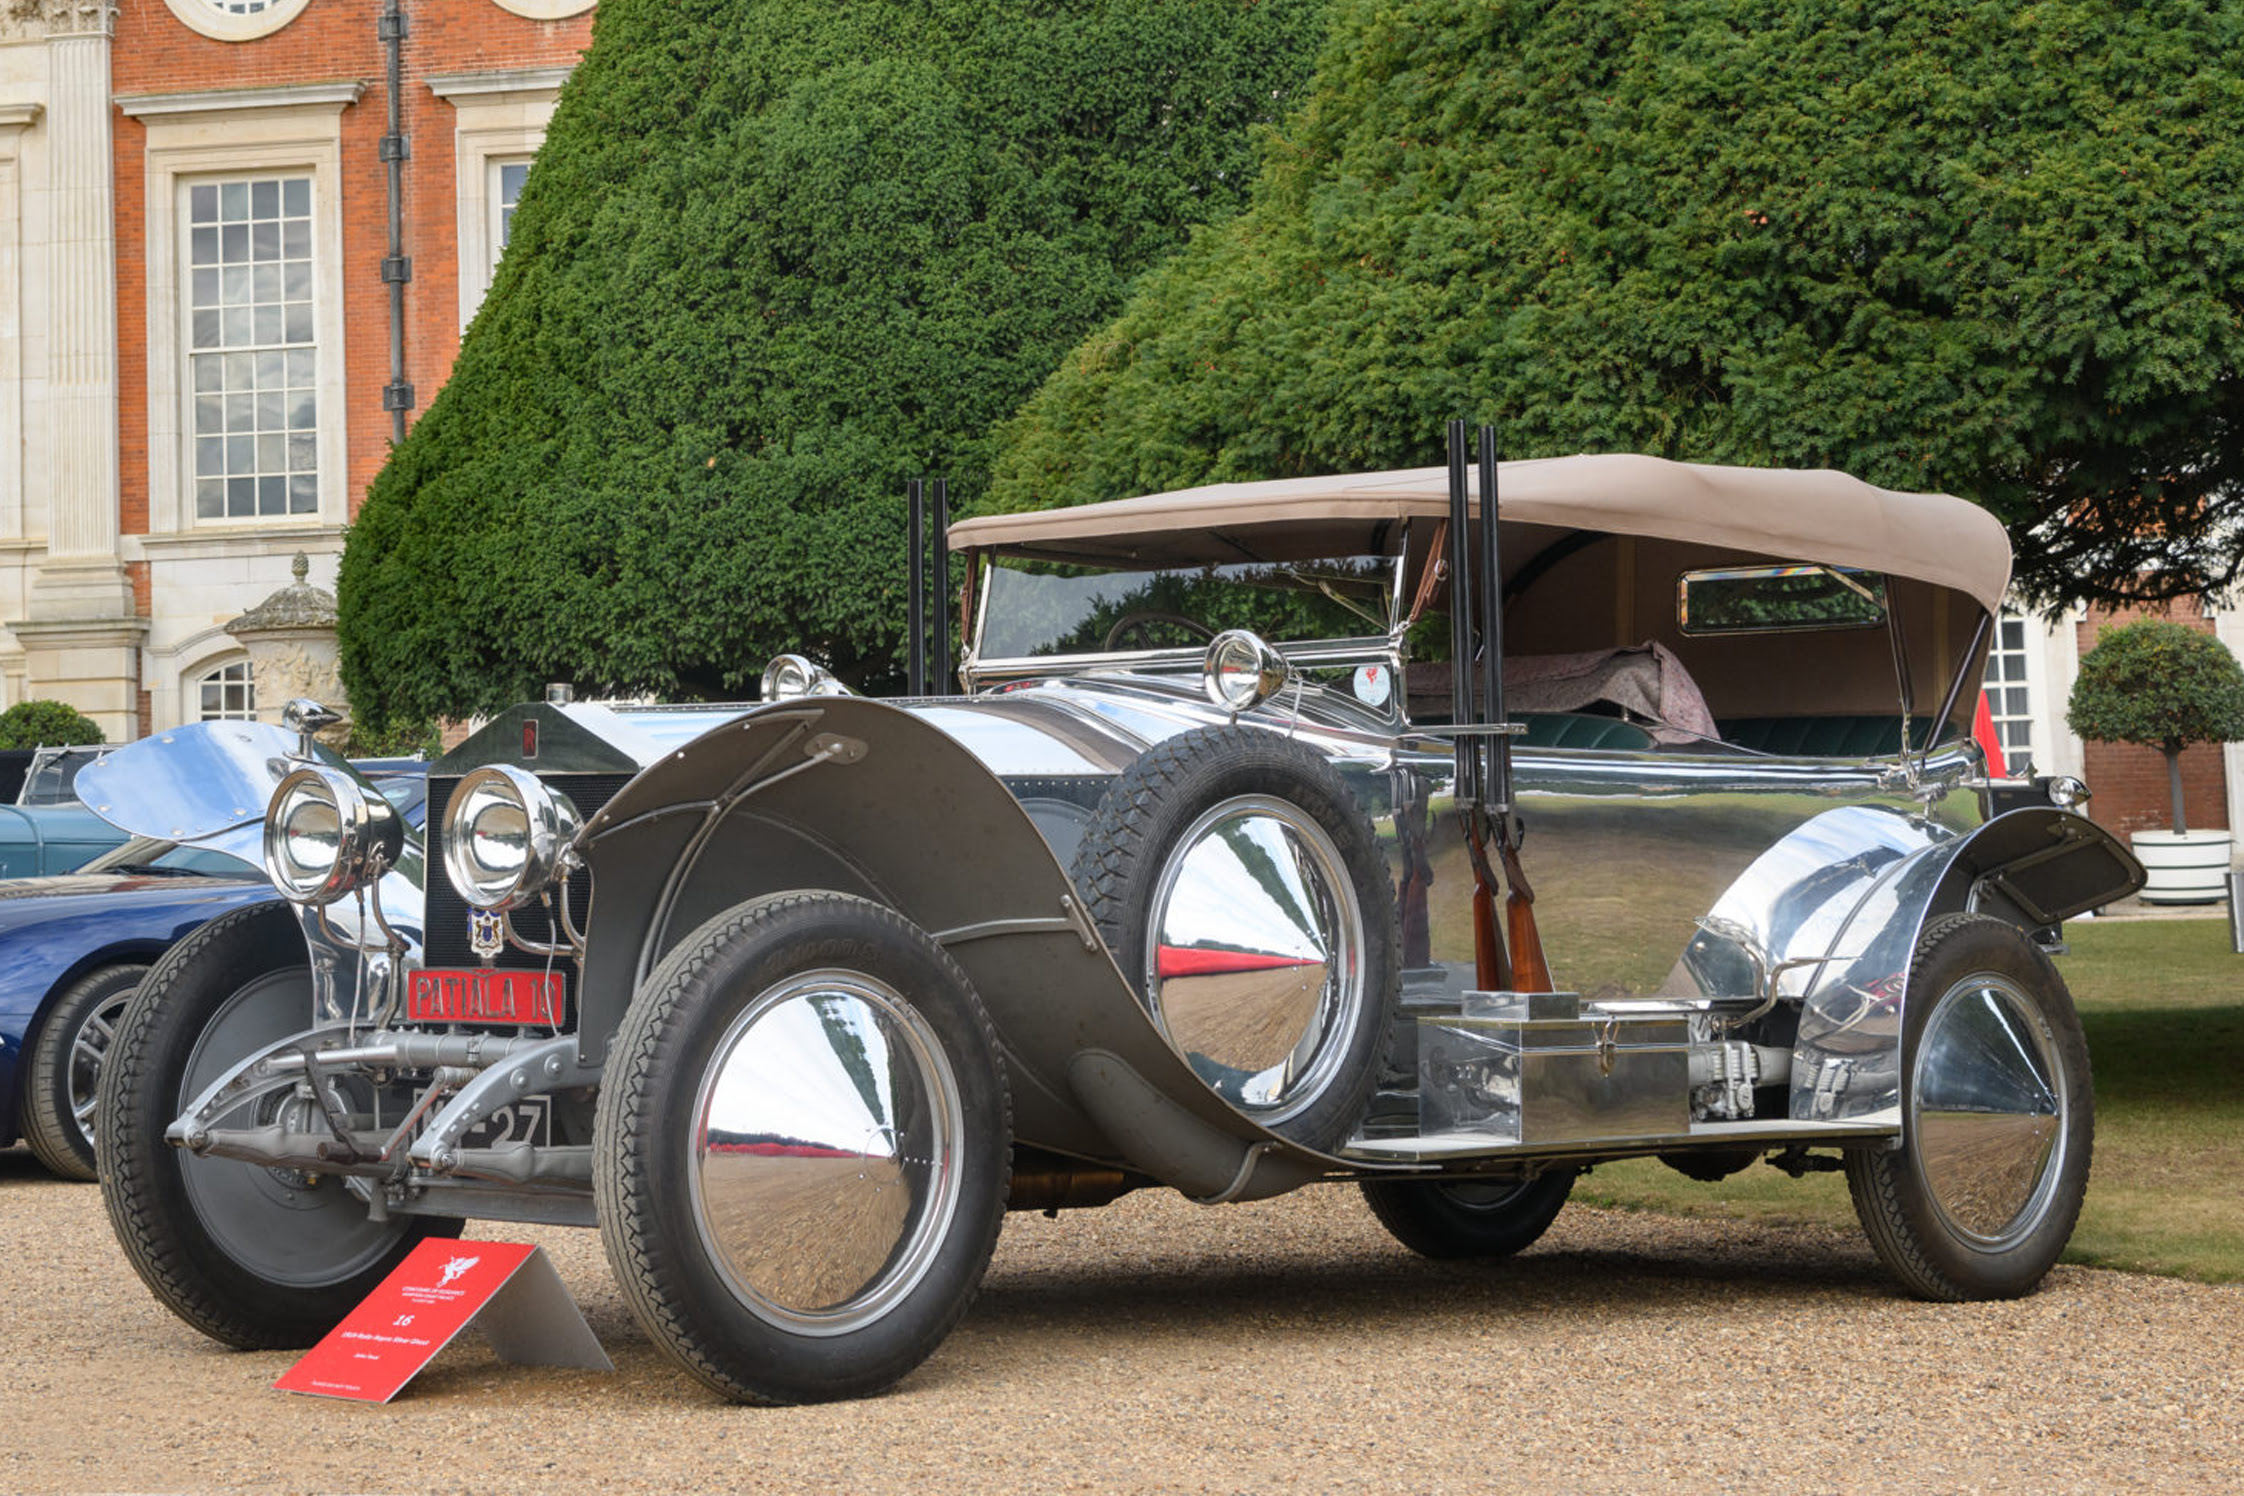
<point x="1156" y="1345"/>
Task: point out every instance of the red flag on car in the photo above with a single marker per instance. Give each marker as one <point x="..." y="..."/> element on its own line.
<point x="1983" y="733"/>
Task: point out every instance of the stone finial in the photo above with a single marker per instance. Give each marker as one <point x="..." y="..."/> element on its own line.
<point x="290" y="638"/>
<point x="299" y="605"/>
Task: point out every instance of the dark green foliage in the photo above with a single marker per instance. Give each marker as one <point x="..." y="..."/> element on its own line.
<point x="41" y="724"/>
<point x="776" y="257"/>
<point x="2162" y="685"/>
<point x="1987" y="248"/>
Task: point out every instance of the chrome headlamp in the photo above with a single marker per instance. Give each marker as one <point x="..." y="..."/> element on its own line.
<point x="1240" y="671"/>
<point x="504" y="836"/>
<point x="326" y="834"/>
<point x="790" y="676"/>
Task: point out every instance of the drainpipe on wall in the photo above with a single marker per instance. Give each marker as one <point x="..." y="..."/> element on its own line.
<point x="397" y="267"/>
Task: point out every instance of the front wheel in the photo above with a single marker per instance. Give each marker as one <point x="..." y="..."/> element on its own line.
<point x="1469" y="1217"/>
<point x="258" y="1258"/>
<point x="803" y="1149"/>
<point x="1998" y="1118"/>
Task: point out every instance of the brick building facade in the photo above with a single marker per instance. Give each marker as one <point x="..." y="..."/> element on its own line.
<point x="200" y="365"/>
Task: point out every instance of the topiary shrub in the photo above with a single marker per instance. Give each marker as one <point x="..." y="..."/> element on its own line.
<point x="1959" y="245"/>
<point x="2161" y="685"/>
<point x="775" y="257"/>
<point x="41" y="724"/>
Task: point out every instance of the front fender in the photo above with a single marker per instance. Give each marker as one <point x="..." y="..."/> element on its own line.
<point x="859" y="797"/>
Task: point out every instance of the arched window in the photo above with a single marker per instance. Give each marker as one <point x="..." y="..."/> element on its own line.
<point x="228" y="694"/>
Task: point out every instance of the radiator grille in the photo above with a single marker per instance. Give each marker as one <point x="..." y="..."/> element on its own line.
<point x="447" y="912"/>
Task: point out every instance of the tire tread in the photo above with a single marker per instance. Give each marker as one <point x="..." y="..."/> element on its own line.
<point x="1115" y="846"/>
<point x="51" y="1135"/>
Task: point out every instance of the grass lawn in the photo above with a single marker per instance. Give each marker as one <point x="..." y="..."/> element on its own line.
<point x="2163" y="1003"/>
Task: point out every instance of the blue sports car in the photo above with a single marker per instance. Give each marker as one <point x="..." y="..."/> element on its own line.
<point x="73" y="948"/>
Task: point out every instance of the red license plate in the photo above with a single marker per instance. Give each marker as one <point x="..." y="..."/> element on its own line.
<point x="485" y="995"/>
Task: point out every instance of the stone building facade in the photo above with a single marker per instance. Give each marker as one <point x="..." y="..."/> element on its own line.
<point x="208" y="342"/>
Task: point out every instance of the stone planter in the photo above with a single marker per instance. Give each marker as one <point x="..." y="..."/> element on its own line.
<point x="2191" y="868"/>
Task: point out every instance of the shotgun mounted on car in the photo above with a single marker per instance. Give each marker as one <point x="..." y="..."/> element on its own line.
<point x="1485" y="731"/>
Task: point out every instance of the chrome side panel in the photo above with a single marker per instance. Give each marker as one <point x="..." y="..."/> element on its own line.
<point x="1628" y="851"/>
<point x="206" y="782"/>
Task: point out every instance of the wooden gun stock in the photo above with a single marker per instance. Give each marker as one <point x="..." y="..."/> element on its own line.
<point x="1492" y="965"/>
<point x="1531" y="970"/>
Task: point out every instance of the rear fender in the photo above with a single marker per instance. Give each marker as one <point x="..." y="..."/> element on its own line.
<point x="2036" y="868"/>
<point x="859" y="797"/>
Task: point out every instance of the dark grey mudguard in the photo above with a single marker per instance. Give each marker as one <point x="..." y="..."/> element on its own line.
<point x="855" y="796"/>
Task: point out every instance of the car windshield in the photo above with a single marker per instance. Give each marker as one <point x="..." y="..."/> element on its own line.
<point x="53" y="776"/>
<point x="1038" y="609"/>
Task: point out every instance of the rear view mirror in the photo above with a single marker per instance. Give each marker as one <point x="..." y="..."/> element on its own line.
<point x="1779" y="599"/>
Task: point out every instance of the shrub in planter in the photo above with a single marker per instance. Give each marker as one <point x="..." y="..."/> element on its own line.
<point x="2161" y="685"/>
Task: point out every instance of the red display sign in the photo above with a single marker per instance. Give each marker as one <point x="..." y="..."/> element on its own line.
<point x="485" y="995"/>
<point x="401" y="1326"/>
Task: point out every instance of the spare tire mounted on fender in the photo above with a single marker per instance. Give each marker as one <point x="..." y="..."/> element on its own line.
<point x="1239" y="885"/>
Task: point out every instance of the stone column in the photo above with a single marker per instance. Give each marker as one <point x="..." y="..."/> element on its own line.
<point x="82" y="635"/>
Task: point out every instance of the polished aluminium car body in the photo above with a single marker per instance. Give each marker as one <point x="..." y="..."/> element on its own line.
<point x="704" y="944"/>
<point x="94" y="932"/>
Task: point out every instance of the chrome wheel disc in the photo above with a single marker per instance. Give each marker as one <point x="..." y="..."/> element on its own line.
<point x="1987" y="1111"/>
<point x="88" y="1048"/>
<point x="1254" y="960"/>
<point x="827" y="1140"/>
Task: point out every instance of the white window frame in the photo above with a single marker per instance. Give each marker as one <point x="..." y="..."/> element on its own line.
<point x="495" y="226"/>
<point x="499" y="117"/>
<point x="2030" y="631"/>
<point x="237" y="133"/>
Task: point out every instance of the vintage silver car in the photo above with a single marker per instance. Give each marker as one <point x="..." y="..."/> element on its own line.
<point x="1236" y="866"/>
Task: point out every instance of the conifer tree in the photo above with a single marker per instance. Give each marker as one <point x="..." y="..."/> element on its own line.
<point x="775" y="257"/>
<point x="1984" y="248"/>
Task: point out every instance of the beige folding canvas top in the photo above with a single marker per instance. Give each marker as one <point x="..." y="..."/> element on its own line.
<point x="1783" y="514"/>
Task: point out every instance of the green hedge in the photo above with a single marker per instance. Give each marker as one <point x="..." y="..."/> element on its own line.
<point x="45" y="723"/>
<point x="1986" y="248"/>
<point x="775" y="257"/>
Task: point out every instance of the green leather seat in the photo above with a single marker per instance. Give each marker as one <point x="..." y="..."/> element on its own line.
<point x="1821" y="737"/>
<point x="1581" y="730"/>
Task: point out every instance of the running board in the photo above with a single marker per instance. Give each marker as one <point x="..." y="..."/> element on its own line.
<point x="1456" y="1147"/>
